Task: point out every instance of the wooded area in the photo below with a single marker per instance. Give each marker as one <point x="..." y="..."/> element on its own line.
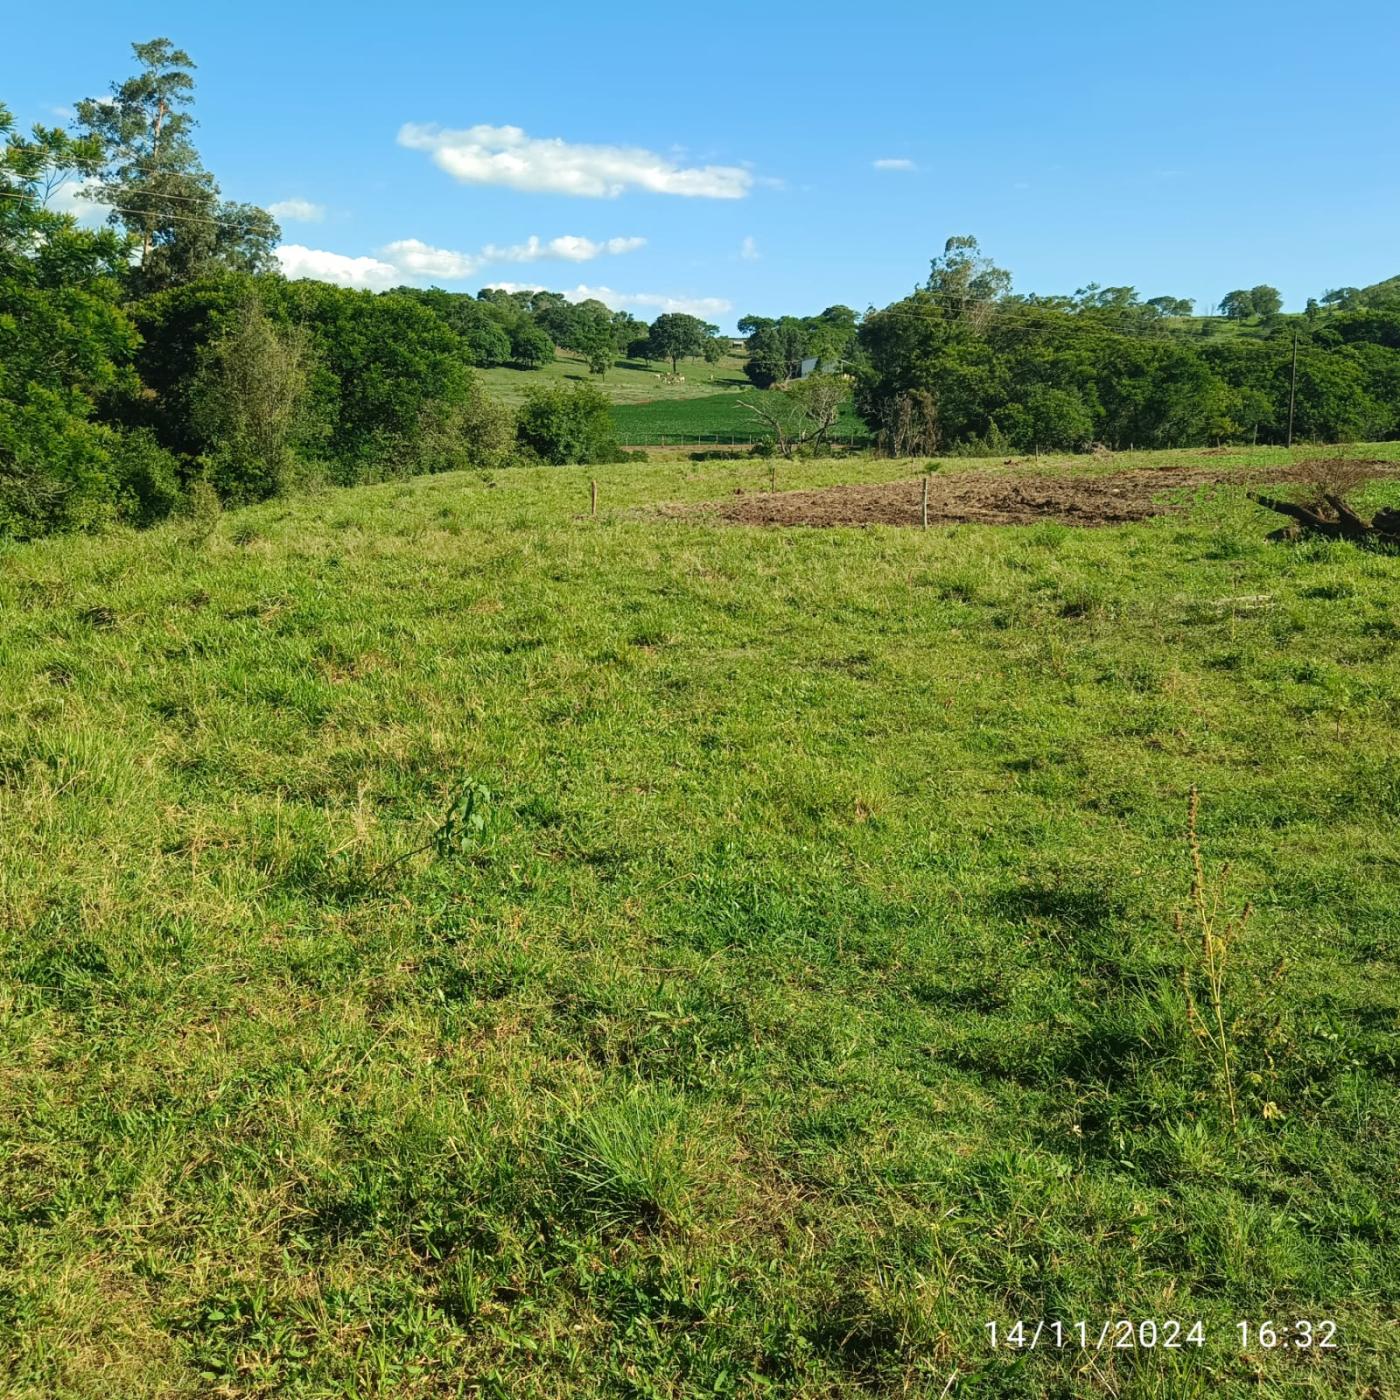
<point x="165" y="355"/>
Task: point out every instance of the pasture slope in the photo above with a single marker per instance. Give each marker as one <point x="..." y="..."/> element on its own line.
<point x="627" y="382"/>
<point x="713" y="418"/>
<point x="454" y="946"/>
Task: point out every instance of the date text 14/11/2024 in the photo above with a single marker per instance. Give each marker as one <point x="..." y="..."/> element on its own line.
<point x="1165" y="1334"/>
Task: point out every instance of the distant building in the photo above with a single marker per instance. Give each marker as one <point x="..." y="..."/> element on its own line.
<point x="808" y="366"/>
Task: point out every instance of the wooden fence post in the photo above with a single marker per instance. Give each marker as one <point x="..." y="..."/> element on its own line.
<point x="593" y="497"/>
<point x="923" y="505"/>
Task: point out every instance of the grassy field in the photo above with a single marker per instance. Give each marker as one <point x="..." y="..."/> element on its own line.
<point x="627" y="382"/>
<point x="453" y="946"/>
<point x="715" y="417"/>
<point x="1226" y="328"/>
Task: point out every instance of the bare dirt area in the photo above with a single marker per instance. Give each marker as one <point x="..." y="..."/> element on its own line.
<point x="1007" y="498"/>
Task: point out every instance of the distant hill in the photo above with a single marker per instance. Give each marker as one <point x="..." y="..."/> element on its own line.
<point x="1379" y="292"/>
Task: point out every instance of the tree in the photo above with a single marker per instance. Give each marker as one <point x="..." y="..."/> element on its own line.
<point x="65" y="342"/>
<point x="177" y="328"/>
<point x="1265" y="300"/>
<point x="1237" y="305"/>
<point x="560" y="423"/>
<point x="966" y="282"/>
<point x="675" y="335"/>
<point x="475" y="321"/>
<point x="247" y="395"/>
<point x="559" y="320"/>
<point x="486" y="342"/>
<point x="155" y="184"/>
<point x="1098" y="298"/>
<point x="626" y="328"/>
<point x="1340" y="296"/>
<point x="379" y="368"/>
<point x="593" y="335"/>
<point x="776" y="349"/>
<point x="831" y="333"/>
<point x="804" y="413"/>
<point x="926" y="376"/>
<point x="530" y="347"/>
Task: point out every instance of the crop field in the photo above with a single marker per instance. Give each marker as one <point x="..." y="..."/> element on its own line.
<point x="714" y="418"/>
<point x="627" y="382"/>
<point x="457" y="946"/>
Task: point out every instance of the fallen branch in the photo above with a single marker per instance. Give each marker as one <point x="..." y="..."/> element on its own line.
<point x="1342" y="523"/>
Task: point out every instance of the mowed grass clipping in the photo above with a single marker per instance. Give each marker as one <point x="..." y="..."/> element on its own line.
<point x="806" y="997"/>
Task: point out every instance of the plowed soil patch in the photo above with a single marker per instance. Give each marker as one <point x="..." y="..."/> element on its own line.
<point x="997" y="498"/>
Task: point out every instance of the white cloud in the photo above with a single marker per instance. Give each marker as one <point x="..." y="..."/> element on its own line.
<point x="584" y="249"/>
<point x="410" y="259"/>
<point x="506" y="155"/>
<point x="298" y="261"/>
<point x="568" y="246"/>
<point x="419" y="259"/>
<point x="748" y="249"/>
<point x="894" y="163"/>
<point x="297" y="211"/>
<point x="64" y="113"/>
<point x="630" y="301"/>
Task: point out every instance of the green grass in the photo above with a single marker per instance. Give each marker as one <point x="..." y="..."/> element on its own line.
<point x="713" y="418"/>
<point x="807" y="998"/>
<point x="1201" y="328"/>
<point x="628" y="381"/>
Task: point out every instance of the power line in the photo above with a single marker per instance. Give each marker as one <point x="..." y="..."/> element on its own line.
<point x="165" y="195"/>
<point x="146" y="213"/>
<point x="148" y="169"/>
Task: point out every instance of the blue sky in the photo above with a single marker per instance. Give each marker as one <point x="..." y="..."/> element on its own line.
<point x="724" y="159"/>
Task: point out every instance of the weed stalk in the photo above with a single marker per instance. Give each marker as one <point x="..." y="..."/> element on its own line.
<point x="1206" y="945"/>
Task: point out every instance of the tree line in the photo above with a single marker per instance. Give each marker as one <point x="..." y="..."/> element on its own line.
<point x="163" y="355"/>
<point x="963" y="364"/>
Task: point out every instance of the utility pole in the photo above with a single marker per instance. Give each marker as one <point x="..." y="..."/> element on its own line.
<point x="1293" y="386"/>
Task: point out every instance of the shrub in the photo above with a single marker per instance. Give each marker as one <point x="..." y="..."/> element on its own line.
<point x="145" y="477"/>
<point x="560" y="424"/>
<point x="55" y="473"/>
<point x="477" y="431"/>
<point x="1057" y="419"/>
